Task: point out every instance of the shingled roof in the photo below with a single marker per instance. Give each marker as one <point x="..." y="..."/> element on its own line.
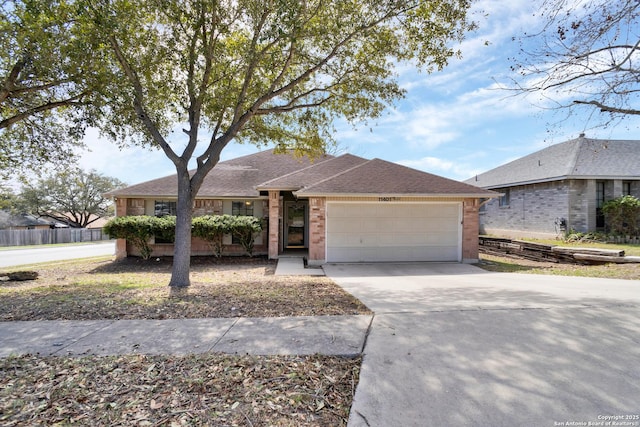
<point x="581" y="158"/>
<point x="237" y="177"/>
<point x="381" y="177"/>
<point x="246" y="176"/>
<point x="313" y="174"/>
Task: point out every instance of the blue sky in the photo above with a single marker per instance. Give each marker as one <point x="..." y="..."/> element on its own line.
<point x="455" y="123"/>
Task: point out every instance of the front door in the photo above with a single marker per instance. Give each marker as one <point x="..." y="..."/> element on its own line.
<point x="295" y="225"/>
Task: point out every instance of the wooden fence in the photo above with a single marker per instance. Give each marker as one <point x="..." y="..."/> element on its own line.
<point x="50" y="236"/>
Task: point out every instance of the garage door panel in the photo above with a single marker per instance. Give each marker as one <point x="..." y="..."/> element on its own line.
<point x="345" y="225"/>
<point x="393" y="232"/>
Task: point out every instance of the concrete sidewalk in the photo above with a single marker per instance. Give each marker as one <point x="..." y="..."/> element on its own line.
<point x="329" y="335"/>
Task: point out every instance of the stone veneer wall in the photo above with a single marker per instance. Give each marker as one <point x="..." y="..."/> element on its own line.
<point x="532" y="209"/>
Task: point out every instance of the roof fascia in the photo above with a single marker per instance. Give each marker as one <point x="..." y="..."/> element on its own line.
<point x="421" y="195"/>
<point x="562" y="178"/>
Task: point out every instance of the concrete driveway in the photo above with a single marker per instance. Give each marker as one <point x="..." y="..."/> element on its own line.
<point x="454" y="345"/>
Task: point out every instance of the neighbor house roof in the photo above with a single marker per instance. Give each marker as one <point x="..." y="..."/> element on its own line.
<point x="238" y="177"/>
<point x="581" y="158"/>
<point x="381" y="177"/>
<point x="23" y="220"/>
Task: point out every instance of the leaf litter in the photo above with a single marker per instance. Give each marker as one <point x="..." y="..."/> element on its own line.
<point x="204" y="389"/>
<point x="193" y="390"/>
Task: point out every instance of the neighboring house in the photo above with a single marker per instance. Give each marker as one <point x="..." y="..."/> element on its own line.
<point x="25" y="222"/>
<point x="559" y="188"/>
<point x="334" y="209"/>
<point x="96" y="221"/>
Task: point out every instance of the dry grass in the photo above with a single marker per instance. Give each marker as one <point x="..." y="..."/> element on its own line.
<point x="137" y="289"/>
<point x="194" y="390"/>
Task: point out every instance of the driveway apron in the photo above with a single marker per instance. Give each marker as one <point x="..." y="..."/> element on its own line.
<point x="454" y="345"/>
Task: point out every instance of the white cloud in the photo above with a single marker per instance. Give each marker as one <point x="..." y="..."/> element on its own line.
<point x="460" y="170"/>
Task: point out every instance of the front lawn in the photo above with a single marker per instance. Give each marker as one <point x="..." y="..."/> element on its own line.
<point x="168" y="390"/>
<point x="135" y="289"/>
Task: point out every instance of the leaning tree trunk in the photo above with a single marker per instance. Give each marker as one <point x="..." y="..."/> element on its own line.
<point x="182" y="245"/>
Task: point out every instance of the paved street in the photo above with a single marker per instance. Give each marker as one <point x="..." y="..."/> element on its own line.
<point x="453" y="345"/>
<point x="16" y="257"/>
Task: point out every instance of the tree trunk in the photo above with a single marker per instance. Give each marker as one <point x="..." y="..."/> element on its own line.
<point x="182" y="245"/>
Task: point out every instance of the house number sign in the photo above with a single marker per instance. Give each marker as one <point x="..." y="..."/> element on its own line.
<point x="389" y="199"/>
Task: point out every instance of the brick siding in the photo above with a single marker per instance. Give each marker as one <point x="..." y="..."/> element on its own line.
<point x="317" y="230"/>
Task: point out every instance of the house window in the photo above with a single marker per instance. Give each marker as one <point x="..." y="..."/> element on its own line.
<point x="626" y="188"/>
<point x="599" y="203"/>
<point x="483" y="206"/>
<point x="164" y="208"/>
<point x="505" y="198"/>
<point x="242" y="208"/>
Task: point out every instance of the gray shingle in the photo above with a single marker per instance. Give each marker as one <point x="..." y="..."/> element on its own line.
<point x="577" y="158"/>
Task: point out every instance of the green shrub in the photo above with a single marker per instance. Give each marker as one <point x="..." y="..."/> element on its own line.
<point x="137" y="230"/>
<point x="246" y="229"/>
<point x="212" y="229"/>
<point x="622" y="215"/>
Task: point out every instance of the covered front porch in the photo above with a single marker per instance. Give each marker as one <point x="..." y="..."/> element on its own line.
<point x="293" y="227"/>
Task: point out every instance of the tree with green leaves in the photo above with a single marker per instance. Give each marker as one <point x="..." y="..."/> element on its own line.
<point x="70" y="195"/>
<point x="246" y="70"/>
<point x="585" y="56"/>
<point x="256" y="71"/>
<point x="50" y="79"/>
<point x="622" y="216"/>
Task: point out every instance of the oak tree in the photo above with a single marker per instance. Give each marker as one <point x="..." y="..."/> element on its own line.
<point x="49" y="74"/>
<point x="255" y="71"/>
<point x="70" y="195"/>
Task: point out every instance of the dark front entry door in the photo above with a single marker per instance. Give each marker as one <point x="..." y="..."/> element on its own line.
<point x="295" y="226"/>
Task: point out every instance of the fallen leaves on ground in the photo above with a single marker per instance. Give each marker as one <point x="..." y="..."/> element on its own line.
<point x="204" y="389"/>
<point x="137" y="289"/>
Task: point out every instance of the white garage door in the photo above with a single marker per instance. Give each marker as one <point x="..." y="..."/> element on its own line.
<point x="365" y="232"/>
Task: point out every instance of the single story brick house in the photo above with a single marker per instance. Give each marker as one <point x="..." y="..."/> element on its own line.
<point x="559" y="188"/>
<point x="333" y="209"/>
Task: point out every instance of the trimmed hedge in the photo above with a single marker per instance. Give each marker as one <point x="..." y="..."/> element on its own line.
<point x="212" y="229"/>
<point x="139" y="230"/>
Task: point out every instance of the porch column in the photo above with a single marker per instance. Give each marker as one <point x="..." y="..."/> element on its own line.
<point x="274" y="223"/>
<point x="590" y="200"/>
<point x="470" y="230"/>
<point x="317" y="227"/>
<point x="121" y="244"/>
